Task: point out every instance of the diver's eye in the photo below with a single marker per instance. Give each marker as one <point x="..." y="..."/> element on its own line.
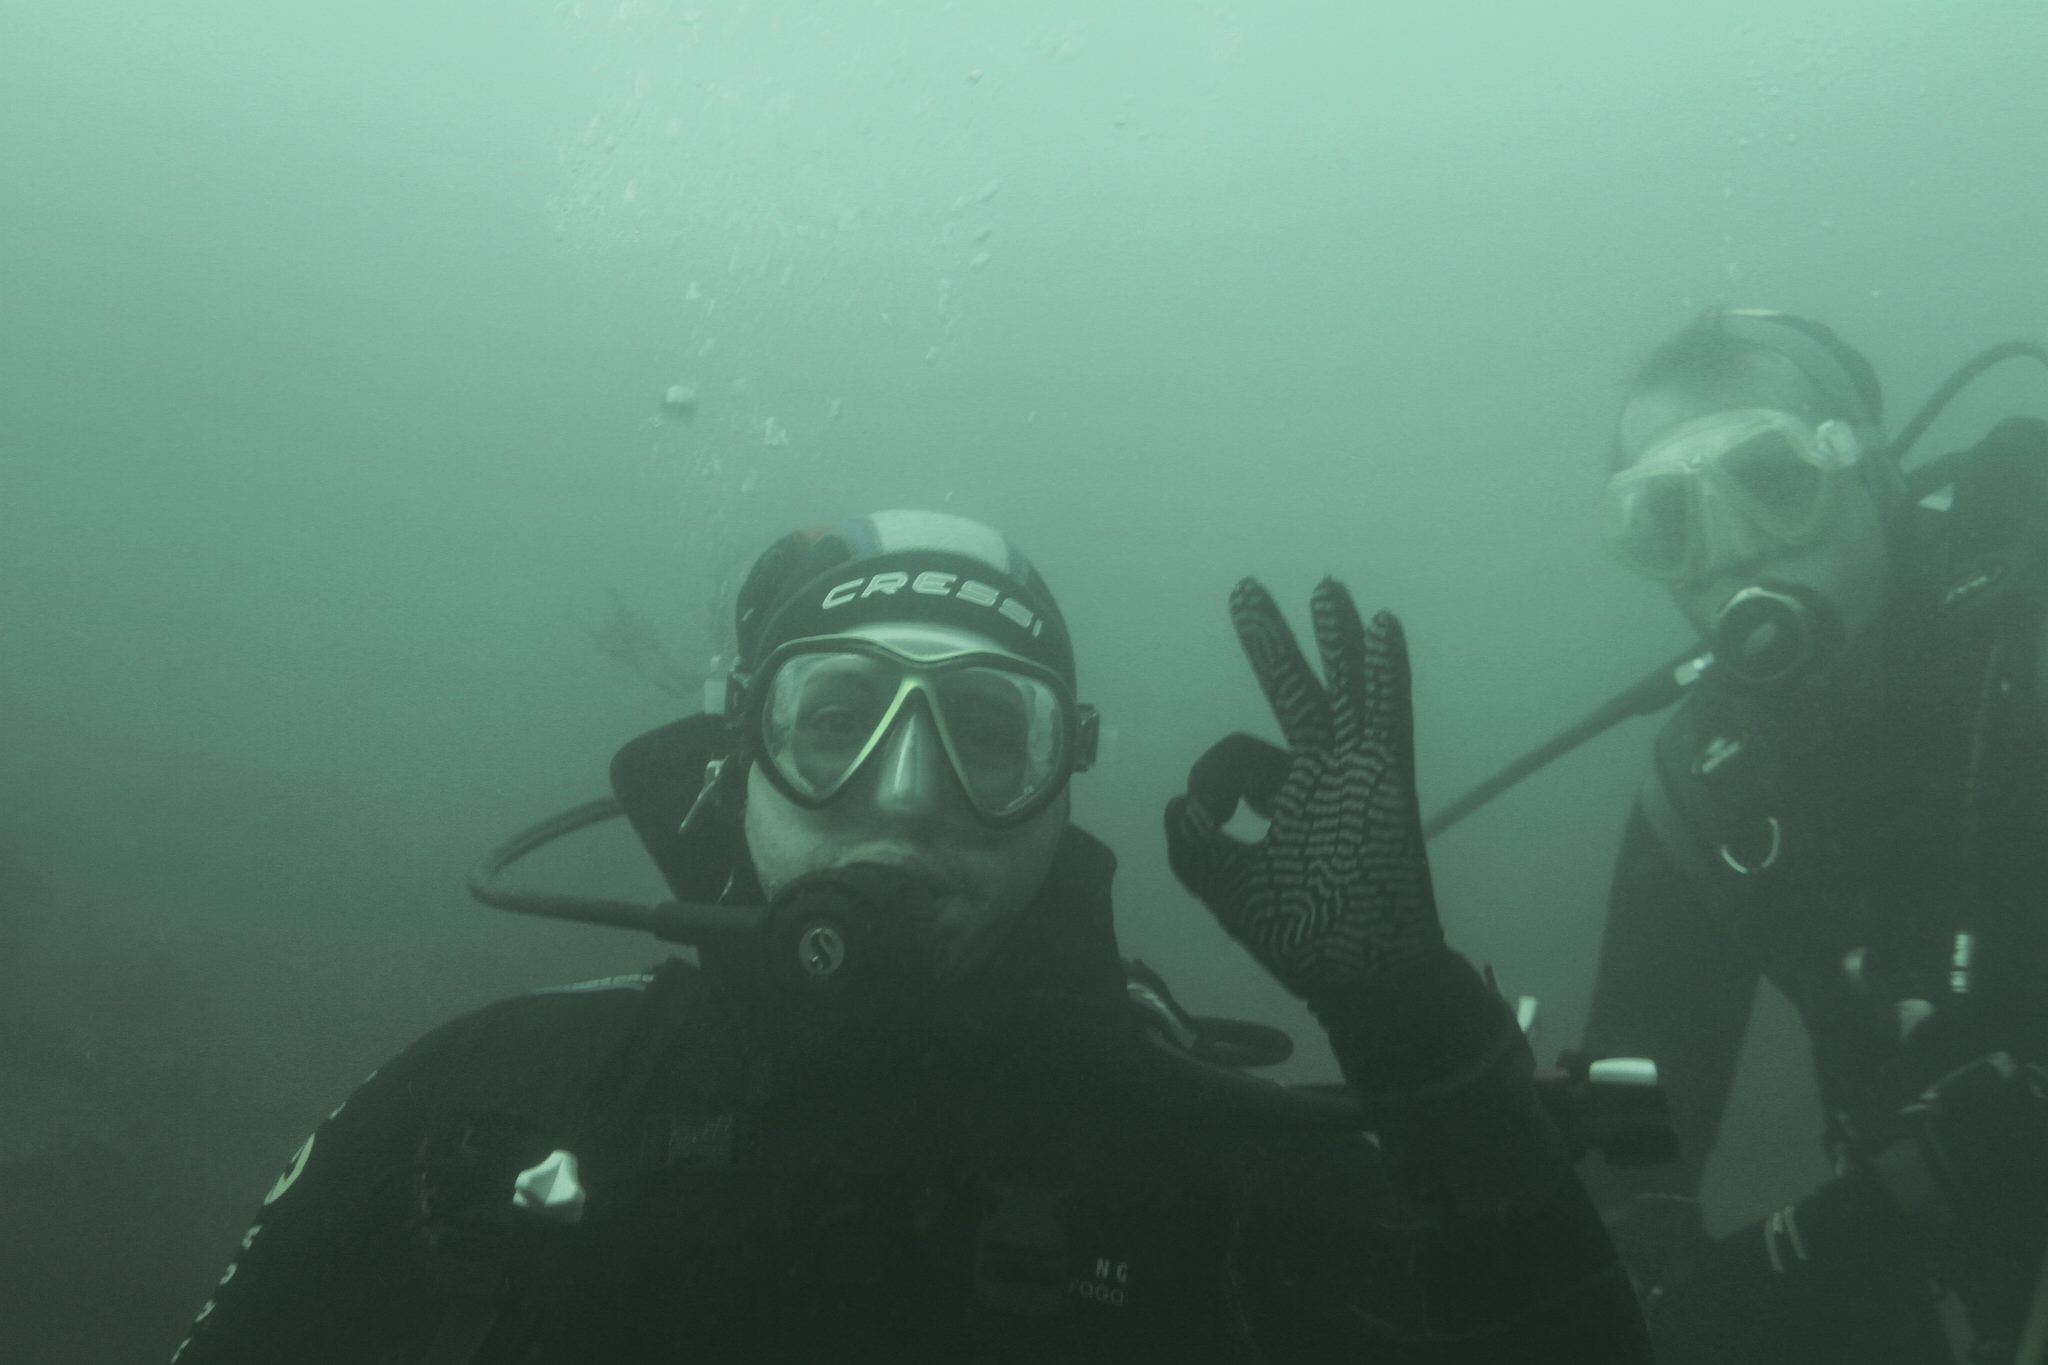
<point x="988" y="733"/>
<point x="1771" y="470"/>
<point x="988" y="715"/>
<point x="831" y="704"/>
<point x="837" y="724"/>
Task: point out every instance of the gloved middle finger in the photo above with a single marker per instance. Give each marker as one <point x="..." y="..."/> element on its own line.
<point x="1291" y="687"/>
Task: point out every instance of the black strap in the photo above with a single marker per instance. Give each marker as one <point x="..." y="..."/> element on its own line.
<point x="1679" y="839"/>
<point x="1729" y="857"/>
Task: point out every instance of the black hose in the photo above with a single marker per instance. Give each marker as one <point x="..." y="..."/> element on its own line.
<point x="1657" y="689"/>
<point x="1939" y="473"/>
<point x="672" y="921"/>
<point x="588" y="910"/>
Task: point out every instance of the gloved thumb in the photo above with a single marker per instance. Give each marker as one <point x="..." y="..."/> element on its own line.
<point x="1236" y="768"/>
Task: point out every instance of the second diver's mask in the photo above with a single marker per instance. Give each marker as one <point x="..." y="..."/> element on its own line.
<point x="1715" y="491"/>
<point x="820" y="710"/>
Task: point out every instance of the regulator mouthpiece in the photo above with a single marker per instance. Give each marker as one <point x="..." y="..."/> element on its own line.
<point x="1765" y="636"/>
<point x="855" y="938"/>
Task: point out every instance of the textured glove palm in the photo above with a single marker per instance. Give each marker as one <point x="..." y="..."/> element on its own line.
<point x="1337" y="893"/>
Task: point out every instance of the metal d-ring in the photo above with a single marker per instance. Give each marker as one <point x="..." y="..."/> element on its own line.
<point x="1751" y="869"/>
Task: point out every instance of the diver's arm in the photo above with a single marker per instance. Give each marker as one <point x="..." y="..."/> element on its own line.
<point x="1492" y="1247"/>
<point x="1674" y="986"/>
<point x="1509" y="1258"/>
<point x="1459" y="1232"/>
<point x="311" y="1282"/>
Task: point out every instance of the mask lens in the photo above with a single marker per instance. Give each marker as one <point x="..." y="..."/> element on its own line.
<point x="1782" y="485"/>
<point x="1649" y="519"/>
<point x="1772" y="471"/>
<point x="1006" y="733"/>
<point x="821" y="712"/>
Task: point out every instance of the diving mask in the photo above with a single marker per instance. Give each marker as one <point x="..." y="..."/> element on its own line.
<point x="1684" y="506"/>
<point x="821" y="709"/>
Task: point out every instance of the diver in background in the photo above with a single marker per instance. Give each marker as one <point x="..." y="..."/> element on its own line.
<point x="1853" y="805"/>
<point x="903" y="1110"/>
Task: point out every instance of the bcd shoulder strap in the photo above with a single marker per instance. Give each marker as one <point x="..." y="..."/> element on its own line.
<point x="1727" y="849"/>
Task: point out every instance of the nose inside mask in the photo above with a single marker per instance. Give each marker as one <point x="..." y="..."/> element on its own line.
<point x="910" y="776"/>
<point x="1727" y="535"/>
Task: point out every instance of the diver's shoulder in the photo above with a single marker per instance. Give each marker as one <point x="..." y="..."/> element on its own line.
<point x="554" y="1027"/>
<point x="2021" y="429"/>
<point x="590" y="1002"/>
<point x="611" y="987"/>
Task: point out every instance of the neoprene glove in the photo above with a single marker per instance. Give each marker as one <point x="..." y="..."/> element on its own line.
<point x="1337" y="894"/>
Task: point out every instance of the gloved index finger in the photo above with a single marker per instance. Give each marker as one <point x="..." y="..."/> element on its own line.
<point x="1291" y="687"/>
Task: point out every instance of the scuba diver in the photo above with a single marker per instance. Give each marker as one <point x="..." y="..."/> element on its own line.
<point x="1851" y="803"/>
<point x="904" y="1106"/>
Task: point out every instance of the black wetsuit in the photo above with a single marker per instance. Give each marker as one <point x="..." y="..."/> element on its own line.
<point x="1835" y="844"/>
<point x="1028" y="1182"/>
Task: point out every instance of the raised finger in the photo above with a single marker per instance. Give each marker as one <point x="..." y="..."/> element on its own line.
<point x="1340" y="639"/>
<point x="1389" y="710"/>
<point x="1291" y="686"/>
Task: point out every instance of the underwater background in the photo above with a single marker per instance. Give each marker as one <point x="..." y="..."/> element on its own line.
<point x="374" y="377"/>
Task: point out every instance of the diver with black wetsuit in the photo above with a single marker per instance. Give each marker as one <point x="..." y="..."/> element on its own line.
<point x="902" y="1110"/>
<point x="1853" y="805"/>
